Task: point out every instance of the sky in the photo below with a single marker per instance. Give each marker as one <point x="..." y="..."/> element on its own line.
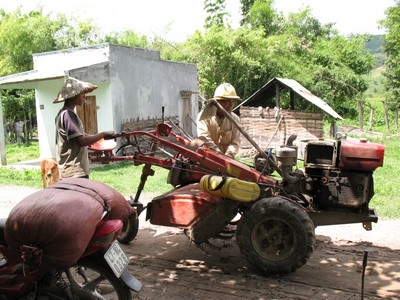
<point x="175" y="20"/>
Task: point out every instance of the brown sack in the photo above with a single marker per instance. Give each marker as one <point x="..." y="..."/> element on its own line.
<point x="61" y="219"/>
<point x="117" y="205"/>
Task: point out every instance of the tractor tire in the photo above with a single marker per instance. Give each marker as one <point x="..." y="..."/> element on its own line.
<point x="130" y="229"/>
<point x="276" y="236"/>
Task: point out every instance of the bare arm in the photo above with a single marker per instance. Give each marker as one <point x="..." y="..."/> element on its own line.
<point x="86" y="140"/>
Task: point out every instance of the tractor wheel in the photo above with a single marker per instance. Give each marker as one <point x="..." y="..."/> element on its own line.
<point x="130" y="229"/>
<point x="276" y="236"/>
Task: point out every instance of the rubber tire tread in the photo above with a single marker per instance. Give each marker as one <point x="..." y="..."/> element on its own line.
<point x="130" y="229"/>
<point x="97" y="263"/>
<point x="285" y="211"/>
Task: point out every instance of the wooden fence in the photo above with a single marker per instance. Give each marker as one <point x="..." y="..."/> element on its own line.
<point x="269" y="131"/>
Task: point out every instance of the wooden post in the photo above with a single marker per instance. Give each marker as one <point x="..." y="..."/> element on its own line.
<point x="186" y="109"/>
<point x="277" y="96"/>
<point x="360" y="115"/>
<point x="371" y="118"/>
<point x="386" y="117"/>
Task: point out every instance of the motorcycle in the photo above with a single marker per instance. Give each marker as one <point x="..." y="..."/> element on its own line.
<point x="101" y="272"/>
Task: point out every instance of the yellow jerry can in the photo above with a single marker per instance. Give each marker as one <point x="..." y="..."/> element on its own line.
<point x="229" y="187"/>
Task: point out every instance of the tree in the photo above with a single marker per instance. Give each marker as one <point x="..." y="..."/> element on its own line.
<point x="22" y="35"/>
<point x="227" y="55"/>
<point x="302" y="48"/>
<point x="127" y="38"/>
<point x="334" y="64"/>
<point x="339" y="65"/>
<point x="216" y="13"/>
<point x="259" y="14"/>
<point x="392" y="49"/>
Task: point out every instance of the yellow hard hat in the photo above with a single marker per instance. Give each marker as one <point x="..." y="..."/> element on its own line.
<point x="225" y="91"/>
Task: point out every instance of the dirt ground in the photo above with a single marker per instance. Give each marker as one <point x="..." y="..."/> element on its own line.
<point x="172" y="268"/>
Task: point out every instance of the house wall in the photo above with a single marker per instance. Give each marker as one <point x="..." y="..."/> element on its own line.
<point x="133" y="83"/>
<point x="47" y="110"/>
<point x="142" y="84"/>
<point x="59" y="62"/>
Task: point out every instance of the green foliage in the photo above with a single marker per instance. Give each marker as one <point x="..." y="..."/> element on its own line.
<point x="299" y="47"/>
<point x="18" y="103"/>
<point x="20" y="37"/>
<point x="216" y="13"/>
<point x="376" y="83"/>
<point x="392" y="49"/>
<point x="267" y="45"/>
<point x="340" y="64"/>
<point x="375" y="46"/>
<point x="127" y="38"/>
<point x="245" y="6"/>
<point x="262" y="16"/>
<point x="71" y="32"/>
<point x="305" y="27"/>
<point x="240" y="57"/>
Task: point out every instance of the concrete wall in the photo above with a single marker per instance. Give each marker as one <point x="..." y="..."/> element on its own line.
<point x="47" y="111"/>
<point x="142" y="84"/>
<point x="133" y="83"/>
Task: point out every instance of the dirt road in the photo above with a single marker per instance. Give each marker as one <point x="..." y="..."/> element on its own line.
<point x="172" y="268"/>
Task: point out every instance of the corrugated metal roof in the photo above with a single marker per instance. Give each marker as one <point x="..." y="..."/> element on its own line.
<point x="269" y="91"/>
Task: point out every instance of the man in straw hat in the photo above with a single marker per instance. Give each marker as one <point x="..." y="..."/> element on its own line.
<point x="220" y="133"/>
<point x="71" y="140"/>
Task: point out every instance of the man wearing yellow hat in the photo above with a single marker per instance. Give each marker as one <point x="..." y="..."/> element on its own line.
<point x="218" y="130"/>
<point x="71" y="140"/>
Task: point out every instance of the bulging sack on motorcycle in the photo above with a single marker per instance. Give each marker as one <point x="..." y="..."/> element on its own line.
<point x="116" y="203"/>
<point x="61" y="219"/>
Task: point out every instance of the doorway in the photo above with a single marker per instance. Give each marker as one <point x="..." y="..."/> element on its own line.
<point x="88" y="114"/>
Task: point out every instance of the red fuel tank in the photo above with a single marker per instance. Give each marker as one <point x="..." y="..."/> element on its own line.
<point x="360" y="155"/>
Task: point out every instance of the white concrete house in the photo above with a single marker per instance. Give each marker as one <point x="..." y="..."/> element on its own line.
<point x="133" y="83"/>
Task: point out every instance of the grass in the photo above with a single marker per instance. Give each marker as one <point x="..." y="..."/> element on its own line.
<point x="387" y="182"/>
<point x="125" y="177"/>
<point x="18" y="152"/>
